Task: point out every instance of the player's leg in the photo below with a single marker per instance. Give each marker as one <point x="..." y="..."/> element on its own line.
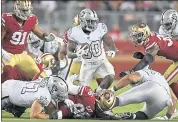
<point x="75" y="68"/>
<point x="171" y="76"/>
<point x="86" y="74"/>
<point x="106" y="71"/>
<point x="28" y="66"/>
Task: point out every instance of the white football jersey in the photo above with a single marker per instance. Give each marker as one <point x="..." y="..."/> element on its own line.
<point x="23" y="93"/>
<point x="94" y="40"/>
<point x="153" y="76"/>
<point x="166" y="33"/>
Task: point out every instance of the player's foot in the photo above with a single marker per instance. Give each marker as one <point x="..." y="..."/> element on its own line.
<point x="161" y="118"/>
<point x="175" y="114"/>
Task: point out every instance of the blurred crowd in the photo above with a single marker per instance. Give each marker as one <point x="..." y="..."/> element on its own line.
<point x="118" y="15"/>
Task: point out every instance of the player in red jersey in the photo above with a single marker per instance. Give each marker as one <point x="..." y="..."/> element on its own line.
<point x="155" y="44"/>
<point x="15" y="30"/>
<point x="89" y="105"/>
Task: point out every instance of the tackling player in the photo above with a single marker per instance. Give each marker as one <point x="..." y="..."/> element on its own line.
<point x="154" y="44"/>
<point x="38" y="95"/>
<point x="86" y="41"/>
<point x="169" y="28"/>
<point x="16" y="27"/>
<point x="150" y="87"/>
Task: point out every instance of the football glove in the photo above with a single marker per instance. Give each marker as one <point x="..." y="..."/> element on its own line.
<point x="56" y="115"/>
<point x="5" y="56"/>
<point x="77" y="108"/>
<point x="111" y="53"/>
<point x="69" y="103"/>
<point x="81" y="115"/>
<point x="123" y="73"/>
<point x="161" y="118"/>
<point x="82" y="51"/>
<point x="52" y="37"/>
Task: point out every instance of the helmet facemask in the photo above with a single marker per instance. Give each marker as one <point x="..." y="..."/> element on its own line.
<point x="88" y="20"/>
<point x="137" y="38"/>
<point x="105" y="100"/>
<point x="169" y="19"/>
<point x="23" y="9"/>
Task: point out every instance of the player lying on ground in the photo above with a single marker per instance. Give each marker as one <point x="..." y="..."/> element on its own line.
<point x="156" y="44"/>
<point x="16" y="27"/>
<point x="150" y="87"/>
<point x="169" y="28"/>
<point x="37" y="95"/>
<point x="86" y="41"/>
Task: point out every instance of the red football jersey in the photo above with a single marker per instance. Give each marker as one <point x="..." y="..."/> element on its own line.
<point x="168" y="47"/>
<point x="16" y="36"/>
<point x="86" y="97"/>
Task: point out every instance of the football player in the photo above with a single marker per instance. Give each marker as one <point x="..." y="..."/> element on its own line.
<point x="154" y="44"/>
<point x="16" y="27"/>
<point x="86" y="41"/>
<point x="76" y="63"/>
<point x="150" y="87"/>
<point x="169" y="28"/>
<point x="43" y="93"/>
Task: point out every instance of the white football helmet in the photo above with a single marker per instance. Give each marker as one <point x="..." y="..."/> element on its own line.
<point x="169" y="19"/>
<point x="58" y="89"/>
<point x="23" y="9"/>
<point x="88" y="19"/>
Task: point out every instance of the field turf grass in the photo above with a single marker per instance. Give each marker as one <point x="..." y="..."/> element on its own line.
<point x="6" y="117"/>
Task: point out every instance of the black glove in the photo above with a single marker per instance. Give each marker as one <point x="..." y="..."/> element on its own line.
<point x="123" y="73"/>
<point x="77" y="108"/>
<point x="138" y="55"/>
<point x="108" y="115"/>
<point x="127" y="115"/>
<point x="56" y="115"/>
<point x="82" y="115"/>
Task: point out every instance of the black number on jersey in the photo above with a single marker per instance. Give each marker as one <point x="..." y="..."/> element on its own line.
<point x="30" y="87"/>
<point x="95" y="50"/>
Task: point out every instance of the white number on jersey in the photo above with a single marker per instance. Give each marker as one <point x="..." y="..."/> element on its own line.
<point x="18" y="38"/>
<point x="30" y="87"/>
<point x="167" y="39"/>
<point x="95" y="50"/>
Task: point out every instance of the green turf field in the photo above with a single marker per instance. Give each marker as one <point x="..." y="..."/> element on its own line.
<point x="6" y="117"/>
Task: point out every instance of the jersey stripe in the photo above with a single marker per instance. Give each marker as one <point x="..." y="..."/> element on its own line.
<point x="150" y="46"/>
<point x="171" y="76"/>
<point x="3" y="21"/>
<point x="81" y="90"/>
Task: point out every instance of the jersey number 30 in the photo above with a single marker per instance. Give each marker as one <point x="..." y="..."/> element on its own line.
<point x="18" y="38"/>
<point x="95" y="50"/>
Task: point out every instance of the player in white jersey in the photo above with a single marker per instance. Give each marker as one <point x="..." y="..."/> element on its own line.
<point x="39" y="94"/>
<point x="86" y="41"/>
<point x="37" y="48"/>
<point x="169" y="28"/>
<point x="150" y="87"/>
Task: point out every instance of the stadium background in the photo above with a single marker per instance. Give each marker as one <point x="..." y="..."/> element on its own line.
<point x="119" y="16"/>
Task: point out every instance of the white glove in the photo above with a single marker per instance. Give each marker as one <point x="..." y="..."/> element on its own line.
<point x="161" y="118"/>
<point x="69" y="103"/>
<point x="82" y="51"/>
<point x="111" y="53"/>
<point x="51" y="37"/>
<point x="5" y="55"/>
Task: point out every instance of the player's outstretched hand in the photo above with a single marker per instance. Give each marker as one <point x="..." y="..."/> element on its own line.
<point x="111" y="53"/>
<point x="5" y="56"/>
<point x="69" y="103"/>
<point x="123" y="73"/>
